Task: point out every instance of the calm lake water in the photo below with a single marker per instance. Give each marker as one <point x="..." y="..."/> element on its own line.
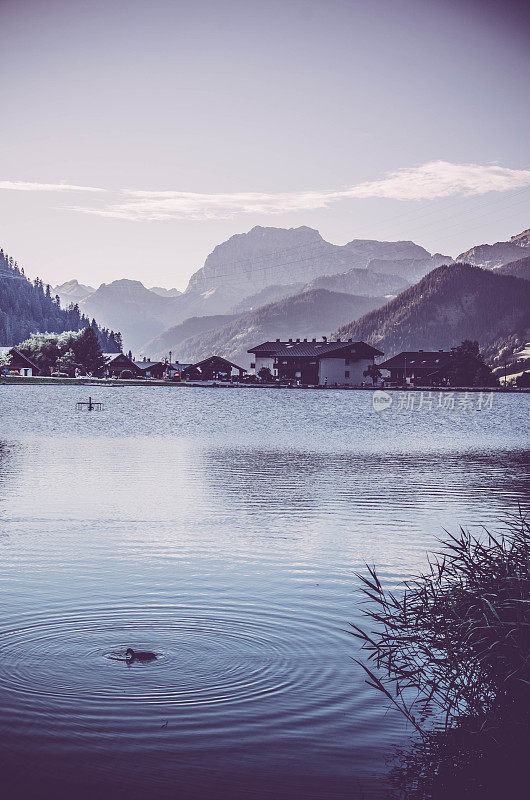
<point x="222" y="529"/>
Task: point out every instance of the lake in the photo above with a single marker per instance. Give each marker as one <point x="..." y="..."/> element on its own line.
<point x="221" y="529"/>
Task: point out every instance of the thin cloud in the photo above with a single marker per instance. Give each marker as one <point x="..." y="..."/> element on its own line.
<point x="190" y="205"/>
<point x="27" y="186"/>
<point x="442" y="179"/>
<point x="435" y="179"/>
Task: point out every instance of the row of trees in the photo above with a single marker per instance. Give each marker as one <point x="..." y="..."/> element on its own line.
<point x="27" y="307"/>
<point x="66" y="352"/>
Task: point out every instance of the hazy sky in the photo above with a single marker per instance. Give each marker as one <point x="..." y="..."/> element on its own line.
<point x="135" y="136"/>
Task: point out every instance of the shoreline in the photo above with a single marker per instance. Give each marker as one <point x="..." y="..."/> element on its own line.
<point x="117" y="382"/>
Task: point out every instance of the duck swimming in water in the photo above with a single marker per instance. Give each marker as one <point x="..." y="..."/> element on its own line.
<point x="144" y="656"/>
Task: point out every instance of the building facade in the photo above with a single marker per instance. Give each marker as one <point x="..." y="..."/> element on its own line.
<point x="315" y="363"/>
<point x="18" y="362"/>
<point x="418" y="367"/>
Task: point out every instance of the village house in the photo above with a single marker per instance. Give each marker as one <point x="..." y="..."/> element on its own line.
<point x="144" y="368"/>
<point x="150" y="369"/>
<point x="315" y="363"/>
<point x="213" y="368"/>
<point x="18" y="362"/>
<point x="419" y="367"/>
<point x="117" y="363"/>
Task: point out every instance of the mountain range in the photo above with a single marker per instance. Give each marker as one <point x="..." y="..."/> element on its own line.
<point x="137" y="312"/>
<point x="272" y="282"/>
<point x="250" y="270"/>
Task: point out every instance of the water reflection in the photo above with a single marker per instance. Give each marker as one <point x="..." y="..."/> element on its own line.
<point x="233" y="556"/>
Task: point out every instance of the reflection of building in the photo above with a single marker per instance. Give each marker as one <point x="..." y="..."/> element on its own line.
<point x="18" y="362"/>
<point x="316" y="362"/>
<point x="418" y="366"/>
<point x="214" y="368"/>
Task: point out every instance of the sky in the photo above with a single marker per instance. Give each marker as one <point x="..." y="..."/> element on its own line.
<point x="136" y="135"/>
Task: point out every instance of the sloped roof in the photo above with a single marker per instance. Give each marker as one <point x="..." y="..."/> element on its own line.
<point x="147" y="364"/>
<point x="315" y="349"/>
<point x="112" y="356"/>
<point x="4" y="350"/>
<point x="424" y="359"/>
<point x="209" y="360"/>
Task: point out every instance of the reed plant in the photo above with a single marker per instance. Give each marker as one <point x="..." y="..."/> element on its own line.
<point x="451" y="651"/>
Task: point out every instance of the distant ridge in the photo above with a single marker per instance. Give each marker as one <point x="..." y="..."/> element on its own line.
<point x="307" y="314"/>
<point x="126" y="304"/>
<point x="165" y="292"/>
<point x="72" y="292"/>
<point x="172" y="338"/>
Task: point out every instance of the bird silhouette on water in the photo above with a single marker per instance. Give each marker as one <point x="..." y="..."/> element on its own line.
<point x="143" y="656"/>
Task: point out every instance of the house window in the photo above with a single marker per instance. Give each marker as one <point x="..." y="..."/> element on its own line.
<point x="347" y="361"/>
<point x="347" y="373"/>
<point x="252" y="365"/>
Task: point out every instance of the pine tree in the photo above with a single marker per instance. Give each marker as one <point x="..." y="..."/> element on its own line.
<point x="68" y="363"/>
<point x="88" y="352"/>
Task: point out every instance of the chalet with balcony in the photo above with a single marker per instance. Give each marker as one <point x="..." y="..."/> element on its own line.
<point x="316" y="363"/>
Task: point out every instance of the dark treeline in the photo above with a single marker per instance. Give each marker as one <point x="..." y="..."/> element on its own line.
<point x="27" y="308"/>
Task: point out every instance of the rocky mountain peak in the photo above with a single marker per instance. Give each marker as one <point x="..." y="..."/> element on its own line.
<point x="497" y="254"/>
<point x="72" y="291"/>
<point x="522" y="239"/>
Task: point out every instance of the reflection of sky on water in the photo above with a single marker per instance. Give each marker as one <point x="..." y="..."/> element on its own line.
<point x="231" y="552"/>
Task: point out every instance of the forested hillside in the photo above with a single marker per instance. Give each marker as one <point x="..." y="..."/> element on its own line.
<point x="520" y="268"/>
<point x="27" y="308"/>
<point x="450" y="304"/>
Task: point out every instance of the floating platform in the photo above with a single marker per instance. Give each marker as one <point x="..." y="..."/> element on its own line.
<point x="90" y="405"/>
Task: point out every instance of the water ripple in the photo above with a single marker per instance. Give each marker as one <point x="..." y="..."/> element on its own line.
<point x="206" y="656"/>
